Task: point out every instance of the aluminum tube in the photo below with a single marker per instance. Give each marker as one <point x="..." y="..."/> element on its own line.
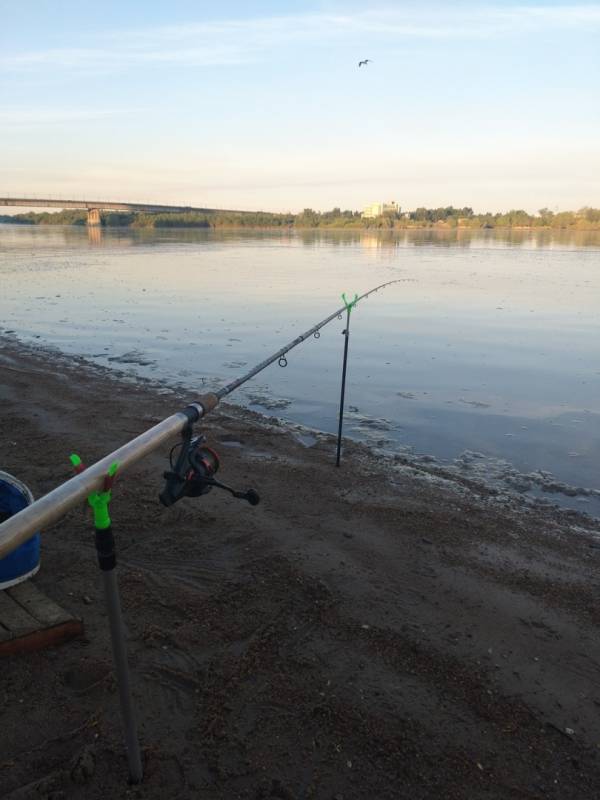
<point x="54" y="505"/>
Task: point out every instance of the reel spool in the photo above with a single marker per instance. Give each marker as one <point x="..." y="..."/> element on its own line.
<point x="194" y="473"/>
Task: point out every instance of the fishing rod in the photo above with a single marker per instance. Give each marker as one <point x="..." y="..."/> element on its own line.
<point x="191" y="475"/>
<point x="194" y="472"/>
<point x="53" y="506"/>
<point x="282" y="353"/>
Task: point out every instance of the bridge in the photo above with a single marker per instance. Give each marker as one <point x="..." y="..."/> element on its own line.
<point x="93" y="207"/>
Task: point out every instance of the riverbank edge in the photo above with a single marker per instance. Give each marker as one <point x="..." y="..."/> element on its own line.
<point x="287" y="228"/>
<point x="345" y="583"/>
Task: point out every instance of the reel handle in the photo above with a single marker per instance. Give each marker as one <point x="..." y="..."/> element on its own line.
<point x="251" y="495"/>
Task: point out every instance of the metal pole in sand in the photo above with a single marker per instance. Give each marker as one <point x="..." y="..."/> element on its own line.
<point x="346" y="333"/>
<point x="119" y="648"/>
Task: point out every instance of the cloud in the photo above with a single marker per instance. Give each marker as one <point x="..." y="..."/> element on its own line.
<point x="236" y="42"/>
<point x="120" y="56"/>
<point x="24" y="118"/>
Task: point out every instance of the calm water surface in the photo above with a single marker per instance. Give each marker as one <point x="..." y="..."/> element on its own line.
<point x="487" y="357"/>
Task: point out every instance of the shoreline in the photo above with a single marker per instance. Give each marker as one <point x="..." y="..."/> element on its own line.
<point x="490" y="474"/>
<point x="441" y="227"/>
<point x="361" y="629"/>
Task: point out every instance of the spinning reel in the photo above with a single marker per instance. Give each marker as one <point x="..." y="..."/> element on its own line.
<point x="193" y="473"/>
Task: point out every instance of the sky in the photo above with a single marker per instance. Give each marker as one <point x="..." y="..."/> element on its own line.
<point x="262" y="105"/>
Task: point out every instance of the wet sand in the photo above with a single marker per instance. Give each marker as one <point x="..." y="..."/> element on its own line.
<point x="378" y="631"/>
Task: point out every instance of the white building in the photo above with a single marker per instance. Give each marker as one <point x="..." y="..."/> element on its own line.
<point x="379" y="209"/>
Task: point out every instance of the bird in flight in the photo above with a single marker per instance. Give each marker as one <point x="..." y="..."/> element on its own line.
<point x="365" y="62"/>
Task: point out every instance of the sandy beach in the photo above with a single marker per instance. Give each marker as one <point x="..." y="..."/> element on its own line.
<point x="382" y="630"/>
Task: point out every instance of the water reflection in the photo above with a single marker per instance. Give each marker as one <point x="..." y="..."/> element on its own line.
<point x="48" y="236"/>
<point x="493" y="348"/>
<point x="94" y="233"/>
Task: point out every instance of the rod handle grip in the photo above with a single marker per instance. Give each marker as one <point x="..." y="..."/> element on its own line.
<point x="208" y="402"/>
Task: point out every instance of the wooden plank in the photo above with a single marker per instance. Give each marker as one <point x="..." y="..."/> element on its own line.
<point x="40" y="607"/>
<point x="38" y="640"/>
<point x="30" y="621"/>
<point x="14" y="617"/>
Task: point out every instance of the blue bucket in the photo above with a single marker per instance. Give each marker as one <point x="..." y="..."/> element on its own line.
<point x="23" y="562"/>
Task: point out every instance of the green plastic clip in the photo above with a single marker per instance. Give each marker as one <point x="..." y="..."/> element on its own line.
<point x="350" y="305"/>
<point x="99" y="501"/>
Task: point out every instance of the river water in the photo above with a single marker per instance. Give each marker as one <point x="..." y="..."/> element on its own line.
<point x="486" y="358"/>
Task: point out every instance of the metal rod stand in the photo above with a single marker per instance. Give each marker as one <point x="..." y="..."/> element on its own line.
<point x="346" y="333"/>
<point x="107" y="561"/>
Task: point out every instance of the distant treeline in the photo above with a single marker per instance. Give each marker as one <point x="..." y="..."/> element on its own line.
<point x="448" y="217"/>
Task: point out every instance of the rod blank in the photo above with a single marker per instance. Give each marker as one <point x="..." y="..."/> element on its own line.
<point x="54" y="505"/>
<point x="298" y="340"/>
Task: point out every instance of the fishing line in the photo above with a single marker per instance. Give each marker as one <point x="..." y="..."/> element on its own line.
<point x="282" y="353"/>
<point x="191" y="475"/>
<point x="53" y="506"/>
